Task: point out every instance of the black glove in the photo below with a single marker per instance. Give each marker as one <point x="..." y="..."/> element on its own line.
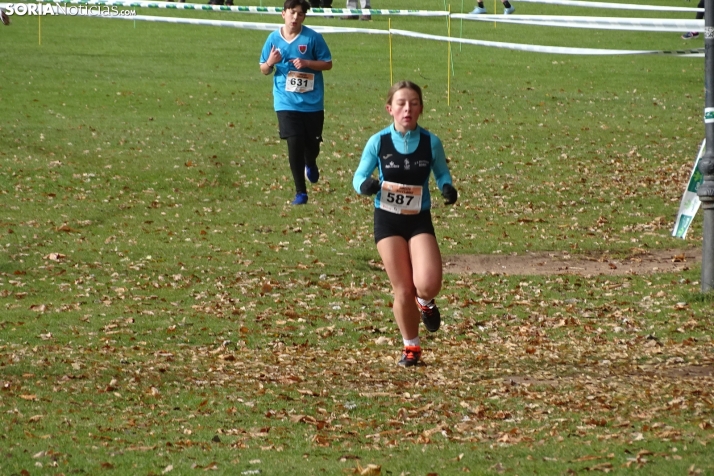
<point x="369" y="187"/>
<point x="449" y="193"/>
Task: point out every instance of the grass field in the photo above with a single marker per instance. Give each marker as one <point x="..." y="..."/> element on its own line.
<point x="166" y="311"/>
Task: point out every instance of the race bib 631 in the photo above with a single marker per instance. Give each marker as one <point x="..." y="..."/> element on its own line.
<point x="297" y="82"/>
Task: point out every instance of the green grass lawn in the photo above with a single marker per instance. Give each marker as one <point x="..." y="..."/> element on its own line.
<point x="166" y="311"/>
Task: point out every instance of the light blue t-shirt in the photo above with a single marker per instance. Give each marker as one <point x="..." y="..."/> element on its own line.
<point x="308" y="45"/>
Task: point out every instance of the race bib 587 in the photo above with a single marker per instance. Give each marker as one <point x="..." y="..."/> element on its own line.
<point x="400" y="198"/>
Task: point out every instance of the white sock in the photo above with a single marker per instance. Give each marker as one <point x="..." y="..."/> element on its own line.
<point x="424" y="302"/>
<point x="411" y="342"/>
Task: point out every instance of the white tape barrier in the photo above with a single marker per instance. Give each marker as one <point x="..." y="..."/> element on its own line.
<point x="549" y="49"/>
<point x="232" y="24"/>
<point x="241" y="9"/>
<point x="616" y="6"/>
<point x="602" y="23"/>
<point x="690" y="200"/>
<point x="411" y="34"/>
<point x="346" y="11"/>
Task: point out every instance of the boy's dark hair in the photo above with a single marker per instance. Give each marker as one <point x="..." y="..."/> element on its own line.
<point x="290" y="4"/>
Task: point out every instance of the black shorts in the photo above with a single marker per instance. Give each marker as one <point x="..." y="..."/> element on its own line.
<point x="305" y="124"/>
<point x="388" y="224"/>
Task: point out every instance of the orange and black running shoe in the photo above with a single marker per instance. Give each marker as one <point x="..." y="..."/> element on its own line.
<point x="410" y="356"/>
<point x="430" y="316"/>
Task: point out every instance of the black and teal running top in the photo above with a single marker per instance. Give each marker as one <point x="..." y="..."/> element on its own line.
<point x="405" y="159"/>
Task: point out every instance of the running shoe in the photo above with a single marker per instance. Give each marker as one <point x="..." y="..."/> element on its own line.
<point x="300" y="199"/>
<point x="3" y="16"/>
<point x="430" y="316"/>
<point x="478" y="11"/>
<point x="312" y="173"/>
<point x="690" y="34"/>
<point x="509" y="10"/>
<point x="410" y="356"/>
<point x="366" y="18"/>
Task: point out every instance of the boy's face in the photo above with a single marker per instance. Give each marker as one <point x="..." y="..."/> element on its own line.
<point x="294" y="17"/>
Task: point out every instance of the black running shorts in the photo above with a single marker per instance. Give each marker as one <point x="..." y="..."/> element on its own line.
<point x="305" y="124"/>
<point x="388" y="224"/>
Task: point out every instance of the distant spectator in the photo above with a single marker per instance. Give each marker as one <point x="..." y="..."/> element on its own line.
<point x="352" y="5"/>
<point x="695" y="34"/>
<point x="3" y="16"/>
<point x="326" y="4"/>
<point x="507" y="8"/>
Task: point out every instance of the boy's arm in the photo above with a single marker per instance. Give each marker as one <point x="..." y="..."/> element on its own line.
<point x="274" y="58"/>
<point x="315" y="65"/>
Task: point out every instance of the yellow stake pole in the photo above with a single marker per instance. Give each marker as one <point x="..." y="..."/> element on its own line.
<point x="494" y="12"/>
<point x="391" y="74"/>
<point x="448" y="62"/>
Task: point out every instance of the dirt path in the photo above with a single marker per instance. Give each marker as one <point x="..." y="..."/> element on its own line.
<point x="641" y="262"/>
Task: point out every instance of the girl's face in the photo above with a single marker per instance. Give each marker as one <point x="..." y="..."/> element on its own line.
<point x="405" y="108"/>
<point x="293" y="18"/>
